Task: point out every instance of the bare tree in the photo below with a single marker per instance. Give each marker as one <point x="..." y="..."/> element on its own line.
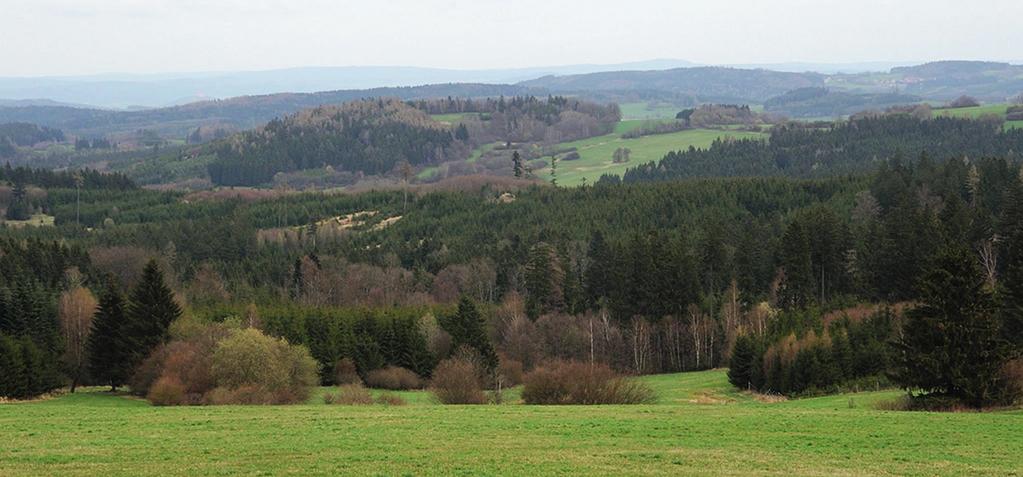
<point x="77" y="307"/>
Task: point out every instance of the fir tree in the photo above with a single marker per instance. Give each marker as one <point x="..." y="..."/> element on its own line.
<point x="951" y="343"/>
<point x="467" y="328"/>
<point x="740" y="368"/>
<point x="110" y="353"/>
<point x="150" y="311"/>
<point x="12" y="369"/>
<point x="517" y="164"/>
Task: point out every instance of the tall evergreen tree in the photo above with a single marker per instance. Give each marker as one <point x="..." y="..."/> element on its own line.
<point x="951" y="343"/>
<point x="740" y="367"/>
<point x="12" y="369"/>
<point x="110" y="353"/>
<point x="467" y="328"/>
<point x="150" y="311"/>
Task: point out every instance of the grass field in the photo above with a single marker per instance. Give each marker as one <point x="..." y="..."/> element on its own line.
<point x="973" y="112"/>
<point x="595" y="154"/>
<point x="37" y="220"/>
<point x="699" y="427"/>
<point x="649" y="110"/>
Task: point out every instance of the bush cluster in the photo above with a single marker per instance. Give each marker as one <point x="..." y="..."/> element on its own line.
<point x="393" y="378"/>
<point x="219" y="365"/>
<point x="573" y="382"/>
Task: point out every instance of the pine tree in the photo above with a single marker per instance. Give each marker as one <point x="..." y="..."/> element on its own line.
<point x="740" y="367"/>
<point x="12" y="368"/>
<point x="1011" y="293"/>
<point x="517" y="164"/>
<point x="467" y="328"/>
<point x="110" y="354"/>
<point x="150" y="312"/>
<point x="951" y="343"/>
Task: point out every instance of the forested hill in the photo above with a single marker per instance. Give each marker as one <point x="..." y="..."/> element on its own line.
<point x="857" y="146"/>
<point x="243" y="112"/>
<point x="714" y="84"/>
<point x="373" y="137"/>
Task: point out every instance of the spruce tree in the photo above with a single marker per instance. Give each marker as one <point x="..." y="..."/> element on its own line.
<point x="1011" y="281"/>
<point x="517" y="164"/>
<point x="150" y="311"/>
<point x="12" y="368"/>
<point x="740" y="367"/>
<point x="467" y="328"/>
<point x="951" y="343"/>
<point x="110" y="356"/>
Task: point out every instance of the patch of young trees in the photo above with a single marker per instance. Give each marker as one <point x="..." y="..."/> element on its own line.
<point x="854" y="147"/>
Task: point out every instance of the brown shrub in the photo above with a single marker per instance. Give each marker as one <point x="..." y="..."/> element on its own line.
<point x="252" y="395"/>
<point x="390" y="399"/>
<point x="572" y="382"/>
<point x="167" y="391"/>
<point x="393" y="378"/>
<point x="456" y="381"/>
<point x="510" y="372"/>
<point x="1012" y="377"/>
<point x="349" y="395"/>
<point x="345" y="372"/>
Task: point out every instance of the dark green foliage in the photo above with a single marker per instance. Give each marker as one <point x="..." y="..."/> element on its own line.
<point x="853" y="147"/>
<point x="741" y="367"/>
<point x="371" y="338"/>
<point x="111" y="351"/>
<point x="91" y="179"/>
<point x="951" y="344"/>
<point x="25" y="134"/>
<point x="803" y="355"/>
<point x="151" y="310"/>
<point x="13" y="375"/>
<point x="467" y="328"/>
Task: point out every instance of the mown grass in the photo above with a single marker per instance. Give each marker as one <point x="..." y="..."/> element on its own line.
<point x="95" y="433"/>
<point x="596" y="153"/>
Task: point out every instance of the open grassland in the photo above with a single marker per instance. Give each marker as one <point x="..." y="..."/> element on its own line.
<point x="973" y="112"/>
<point x="699" y="427"/>
<point x="644" y="110"/>
<point x="596" y="153"/>
<point x="37" y="220"/>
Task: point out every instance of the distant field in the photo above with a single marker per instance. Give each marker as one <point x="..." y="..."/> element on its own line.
<point x="700" y="427"/>
<point x="973" y="112"/>
<point x="452" y="118"/>
<point x="596" y="153"/>
<point x="37" y="220"/>
<point x="649" y="111"/>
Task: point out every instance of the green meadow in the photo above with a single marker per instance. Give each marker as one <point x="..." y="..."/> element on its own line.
<point x="596" y="153"/>
<point x="699" y="427"/>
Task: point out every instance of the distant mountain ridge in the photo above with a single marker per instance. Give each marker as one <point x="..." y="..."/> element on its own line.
<point x="163" y="90"/>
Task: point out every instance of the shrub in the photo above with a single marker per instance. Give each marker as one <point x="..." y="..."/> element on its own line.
<point x="167" y="391"/>
<point x="393" y="378"/>
<point x="350" y="395"/>
<point x="390" y="399"/>
<point x="573" y="382"/>
<point x="510" y="372"/>
<point x="456" y="381"/>
<point x="345" y="372"/>
<point x="248" y="394"/>
<point x="250" y="359"/>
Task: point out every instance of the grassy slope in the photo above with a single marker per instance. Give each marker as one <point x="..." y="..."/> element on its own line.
<point x="596" y="153"/>
<point x="99" y="434"/>
<point x="977" y="111"/>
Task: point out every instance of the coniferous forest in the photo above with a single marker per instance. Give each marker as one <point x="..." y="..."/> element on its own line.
<point x="801" y="282"/>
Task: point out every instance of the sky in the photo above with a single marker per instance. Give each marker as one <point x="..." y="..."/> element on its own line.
<point x="82" y="37"/>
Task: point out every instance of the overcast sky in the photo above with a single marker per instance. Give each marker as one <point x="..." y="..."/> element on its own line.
<point x="51" y="37"/>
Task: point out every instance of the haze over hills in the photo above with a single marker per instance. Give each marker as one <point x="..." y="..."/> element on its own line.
<point x="135" y="91"/>
<point x="162" y="90"/>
